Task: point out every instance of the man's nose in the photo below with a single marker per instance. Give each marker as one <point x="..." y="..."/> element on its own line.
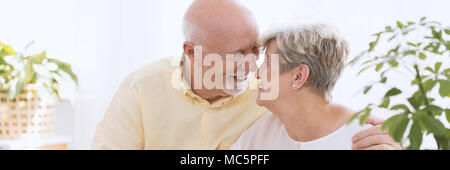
<point x="257" y="74"/>
<point x="252" y="66"/>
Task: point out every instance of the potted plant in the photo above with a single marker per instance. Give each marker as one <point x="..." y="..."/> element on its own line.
<point x="419" y="52"/>
<point x="28" y="92"/>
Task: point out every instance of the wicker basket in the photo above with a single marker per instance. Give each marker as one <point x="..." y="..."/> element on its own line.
<point x="25" y="116"/>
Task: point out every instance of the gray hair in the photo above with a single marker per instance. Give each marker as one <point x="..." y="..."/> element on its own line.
<point x="318" y="46"/>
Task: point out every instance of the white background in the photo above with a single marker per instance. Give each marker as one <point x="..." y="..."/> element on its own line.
<point x="105" y="40"/>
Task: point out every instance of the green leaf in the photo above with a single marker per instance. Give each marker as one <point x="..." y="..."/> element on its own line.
<point x="379" y="66"/>
<point x="437" y="66"/>
<point x="446" y="71"/>
<point x="383" y="80"/>
<point x="423" y="18"/>
<point x="436" y="35"/>
<point x="415" y="136"/>
<point x="67" y="68"/>
<point x="393" y="92"/>
<point x="378" y="34"/>
<point x="444" y="89"/>
<point x="433" y="125"/>
<point x="354" y="116"/>
<point x="414" y="103"/>
<point x="393" y="63"/>
<point x="443" y="141"/>
<point x="447" y="31"/>
<point x="419" y="97"/>
<point x="401" y="107"/>
<point x="391" y="121"/>
<point x="29" y="72"/>
<point x="436" y="110"/>
<point x="422" y="56"/>
<point x="365" y="116"/>
<point x="429" y="84"/>
<point x="409" y="52"/>
<point x="394" y="51"/>
<point x="385" y="104"/>
<point x="400" y="25"/>
<point x="8" y="50"/>
<point x="15" y="87"/>
<point x="392" y="37"/>
<point x="38" y="58"/>
<point x="430" y="69"/>
<point x="389" y="29"/>
<point x="367" y="89"/>
<point x="411" y="44"/>
<point x="374" y="43"/>
<point x="398" y="130"/>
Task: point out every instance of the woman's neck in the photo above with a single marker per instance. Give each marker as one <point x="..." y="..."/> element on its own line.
<point x="308" y="116"/>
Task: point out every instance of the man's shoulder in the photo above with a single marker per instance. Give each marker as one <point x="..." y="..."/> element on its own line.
<point x="158" y="70"/>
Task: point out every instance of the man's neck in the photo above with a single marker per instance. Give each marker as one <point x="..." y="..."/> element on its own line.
<point x="308" y="116"/>
<point x="206" y="95"/>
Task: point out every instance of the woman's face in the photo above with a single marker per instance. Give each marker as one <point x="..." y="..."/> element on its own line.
<point x="266" y="79"/>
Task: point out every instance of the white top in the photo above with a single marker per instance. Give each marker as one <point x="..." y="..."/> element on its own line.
<point x="269" y="133"/>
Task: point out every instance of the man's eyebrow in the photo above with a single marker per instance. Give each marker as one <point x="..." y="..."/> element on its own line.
<point x="253" y="46"/>
<point x="236" y="51"/>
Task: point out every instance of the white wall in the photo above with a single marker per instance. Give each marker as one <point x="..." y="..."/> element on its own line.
<point x="107" y="39"/>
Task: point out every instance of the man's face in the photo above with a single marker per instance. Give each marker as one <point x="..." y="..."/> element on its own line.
<point x="238" y="53"/>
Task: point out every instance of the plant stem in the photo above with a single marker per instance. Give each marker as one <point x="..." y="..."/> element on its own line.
<point x="427" y="103"/>
<point x="421" y="87"/>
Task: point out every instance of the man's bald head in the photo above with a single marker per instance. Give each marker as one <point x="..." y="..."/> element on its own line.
<point x="219" y="28"/>
<point x="215" y="22"/>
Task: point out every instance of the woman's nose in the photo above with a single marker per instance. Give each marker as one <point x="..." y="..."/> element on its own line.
<point x="252" y="66"/>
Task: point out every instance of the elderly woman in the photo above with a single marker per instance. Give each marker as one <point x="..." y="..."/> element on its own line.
<point x="311" y="59"/>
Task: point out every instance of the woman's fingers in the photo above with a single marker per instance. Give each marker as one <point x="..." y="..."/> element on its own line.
<point x="373" y="120"/>
<point x="376" y="130"/>
<point x="380" y="147"/>
<point x="374" y="140"/>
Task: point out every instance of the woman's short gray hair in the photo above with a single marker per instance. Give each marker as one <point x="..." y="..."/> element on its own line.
<point x="318" y="46"/>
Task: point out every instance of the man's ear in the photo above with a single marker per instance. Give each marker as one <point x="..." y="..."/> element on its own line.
<point x="300" y="76"/>
<point x="188" y="49"/>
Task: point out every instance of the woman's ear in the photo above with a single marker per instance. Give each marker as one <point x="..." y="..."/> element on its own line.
<point x="188" y="49"/>
<point x="300" y="76"/>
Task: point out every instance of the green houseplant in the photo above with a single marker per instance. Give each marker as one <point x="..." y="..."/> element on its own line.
<point x="29" y="92"/>
<point x="18" y="71"/>
<point x="420" y="52"/>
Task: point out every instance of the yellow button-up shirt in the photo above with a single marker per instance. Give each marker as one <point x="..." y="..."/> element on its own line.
<point x="153" y="109"/>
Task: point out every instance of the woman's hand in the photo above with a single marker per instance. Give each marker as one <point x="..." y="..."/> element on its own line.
<point x="373" y="138"/>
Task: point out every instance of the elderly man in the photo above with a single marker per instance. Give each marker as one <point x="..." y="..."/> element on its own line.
<point x="162" y="106"/>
